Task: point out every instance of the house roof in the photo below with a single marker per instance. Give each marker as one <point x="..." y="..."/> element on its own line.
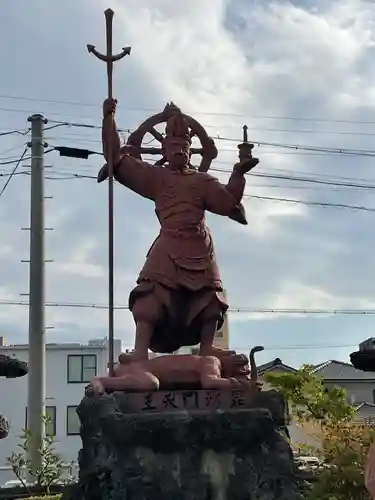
<point x="338" y="370"/>
<point x="365" y="414"/>
<point x="365" y="405"/>
<point x="276" y="364"/>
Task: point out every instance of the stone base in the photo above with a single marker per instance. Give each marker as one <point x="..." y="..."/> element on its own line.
<point x="217" y="454"/>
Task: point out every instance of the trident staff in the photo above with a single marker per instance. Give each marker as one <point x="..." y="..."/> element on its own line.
<point x="109" y="58"/>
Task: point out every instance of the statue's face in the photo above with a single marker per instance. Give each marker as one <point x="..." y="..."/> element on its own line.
<point x="177" y="152"/>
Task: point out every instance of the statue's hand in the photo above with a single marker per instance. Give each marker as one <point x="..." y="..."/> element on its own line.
<point x="245" y="165"/>
<point x="109" y="107"/>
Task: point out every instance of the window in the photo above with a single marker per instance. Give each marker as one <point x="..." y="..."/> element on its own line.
<point x="72" y="421"/>
<point x="50" y="413"/>
<point x="81" y="367"/>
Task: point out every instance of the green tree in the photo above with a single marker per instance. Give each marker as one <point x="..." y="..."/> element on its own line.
<point x="309" y="399"/>
<point x="344" y="443"/>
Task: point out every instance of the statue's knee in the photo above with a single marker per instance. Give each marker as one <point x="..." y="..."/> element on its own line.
<point x="146" y="309"/>
<point x="154" y="384"/>
<point x="150" y="382"/>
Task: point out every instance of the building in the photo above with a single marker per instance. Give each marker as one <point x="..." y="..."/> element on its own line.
<point x="69" y="368"/>
<point x="359" y="385"/>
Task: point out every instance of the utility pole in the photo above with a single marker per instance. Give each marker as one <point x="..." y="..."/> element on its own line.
<point x="37" y="344"/>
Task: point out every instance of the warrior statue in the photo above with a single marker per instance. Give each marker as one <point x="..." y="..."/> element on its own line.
<point x="178" y="300"/>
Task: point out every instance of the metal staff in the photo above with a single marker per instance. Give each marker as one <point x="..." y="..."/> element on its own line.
<point x="110" y="58"/>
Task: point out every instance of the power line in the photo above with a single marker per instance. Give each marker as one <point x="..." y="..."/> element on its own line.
<point x="67" y="177"/>
<point x="284" y="347"/>
<point x="267" y="117"/>
<point x="247" y="310"/>
<point x="269" y="129"/>
<point x="295" y="147"/>
<point x="15" y="132"/>
<point x="302" y="179"/>
<point x="295" y="150"/>
<point x="10" y="162"/>
<point x="302" y="147"/>
<point x="313" y="203"/>
<point x="297" y="178"/>
<point x="13" y="172"/>
<point x="267" y="171"/>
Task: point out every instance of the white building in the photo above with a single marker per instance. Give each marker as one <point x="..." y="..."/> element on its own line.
<point x="69" y="368"/>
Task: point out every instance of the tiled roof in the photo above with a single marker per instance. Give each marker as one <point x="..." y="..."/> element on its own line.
<point x="365" y="414"/>
<point x="338" y="370"/>
<point x="276" y="364"/>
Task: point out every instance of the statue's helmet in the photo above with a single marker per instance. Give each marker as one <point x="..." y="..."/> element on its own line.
<point x="177" y="127"/>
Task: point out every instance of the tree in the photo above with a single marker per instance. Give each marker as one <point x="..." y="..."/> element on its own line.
<point x="310" y="399"/>
<point x="344" y="443"/>
<point x="344" y="451"/>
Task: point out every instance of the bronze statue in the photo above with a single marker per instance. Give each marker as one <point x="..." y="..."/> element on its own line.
<point x="178" y="300"/>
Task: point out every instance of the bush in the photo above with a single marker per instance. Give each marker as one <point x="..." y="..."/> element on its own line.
<point x="48" y="474"/>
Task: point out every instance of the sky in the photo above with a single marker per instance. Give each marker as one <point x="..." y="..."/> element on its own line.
<point x="297" y="73"/>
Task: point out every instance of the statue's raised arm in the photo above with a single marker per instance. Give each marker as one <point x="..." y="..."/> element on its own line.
<point x="137" y="175"/>
<point x="225" y="199"/>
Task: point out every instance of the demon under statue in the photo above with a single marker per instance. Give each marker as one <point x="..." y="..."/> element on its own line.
<point x="178" y="300"/>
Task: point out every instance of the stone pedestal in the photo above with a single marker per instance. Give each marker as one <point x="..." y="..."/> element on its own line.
<point x="203" y="445"/>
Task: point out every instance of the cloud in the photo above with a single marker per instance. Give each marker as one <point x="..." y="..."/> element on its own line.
<point x="227" y="63"/>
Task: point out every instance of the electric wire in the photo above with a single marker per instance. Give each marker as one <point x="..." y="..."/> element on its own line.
<point x="13" y="172"/>
<point x="301" y="147"/>
<point x="14" y="132"/>
<point x="246" y="310"/>
<point x="67" y="176"/>
<point x="271" y="198"/>
<point x="198" y="112"/>
<point x="291" y="146"/>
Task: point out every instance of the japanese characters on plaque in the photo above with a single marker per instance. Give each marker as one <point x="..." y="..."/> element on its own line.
<point x="162" y="401"/>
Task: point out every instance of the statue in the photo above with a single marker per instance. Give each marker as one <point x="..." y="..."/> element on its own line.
<point x="178" y="300"/>
<point x="227" y="371"/>
<point x="190" y="425"/>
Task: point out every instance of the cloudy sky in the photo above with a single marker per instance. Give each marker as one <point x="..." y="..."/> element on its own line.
<point x="297" y="73"/>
